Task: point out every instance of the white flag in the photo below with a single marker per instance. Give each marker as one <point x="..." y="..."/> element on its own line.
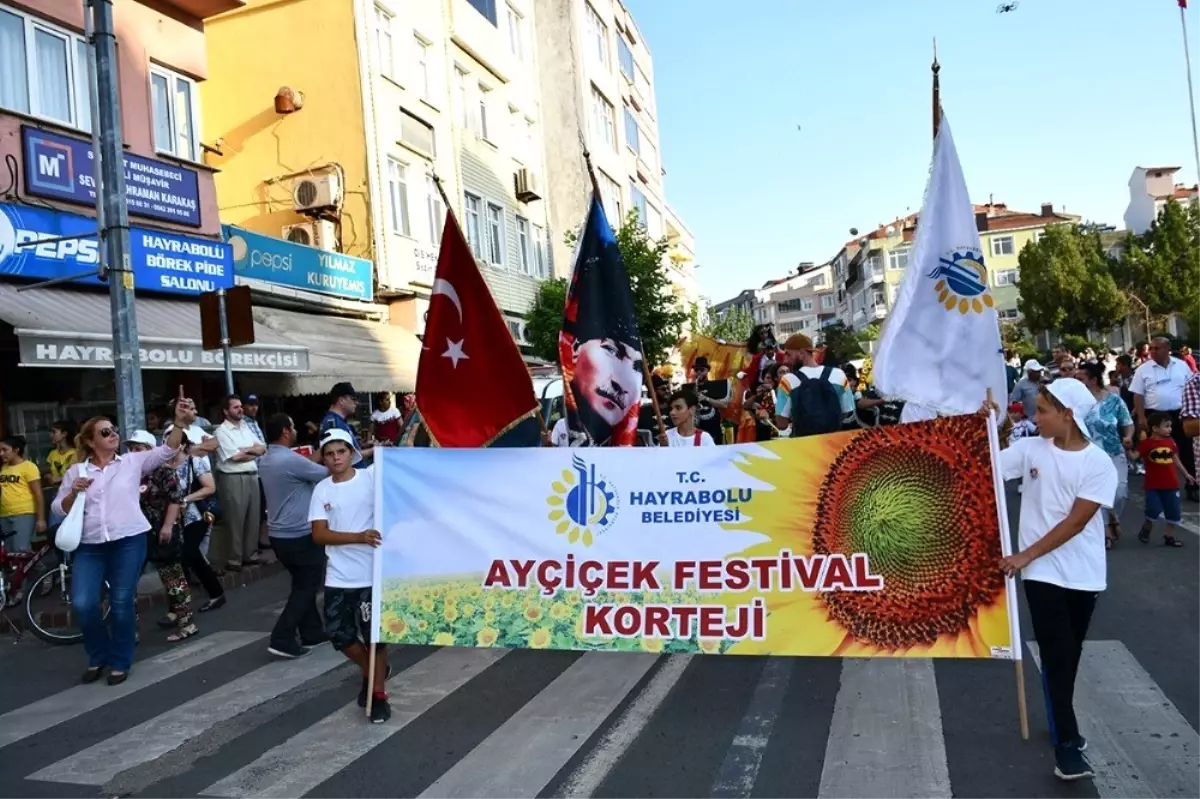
<point x="940" y="345"/>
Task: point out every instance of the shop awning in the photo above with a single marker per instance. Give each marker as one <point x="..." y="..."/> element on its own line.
<point x="374" y="356"/>
<point x="60" y="327"/>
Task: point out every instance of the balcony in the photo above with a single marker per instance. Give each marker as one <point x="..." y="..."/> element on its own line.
<point x="878" y="311"/>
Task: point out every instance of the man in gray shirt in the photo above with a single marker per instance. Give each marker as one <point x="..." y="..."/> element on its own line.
<point x="1026" y="389"/>
<point x="288" y="480"/>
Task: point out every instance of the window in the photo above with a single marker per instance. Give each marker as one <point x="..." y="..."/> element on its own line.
<point x="43" y="71"/>
<point x="524" y="246"/>
<point x="1008" y="314"/>
<point x="898" y="259"/>
<point x="877" y="299"/>
<point x="384" y="52"/>
<point x="597" y="37"/>
<point x="423" y="86"/>
<point x="818" y="280"/>
<point x="1002" y="245"/>
<point x="175" y="114"/>
<point x="654" y="224"/>
<point x="495" y="234"/>
<point x="649" y="154"/>
<point x="1007" y="277"/>
<point x="484" y="100"/>
<point x="473" y="207"/>
<point x="632" y="134"/>
<point x="435" y="210"/>
<point x="463" y="93"/>
<point x="485" y="7"/>
<point x="788" y="306"/>
<point x="516" y="35"/>
<point x="827" y="302"/>
<point x="610" y="195"/>
<point x="540" y="263"/>
<point x="806" y="304"/>
<point x="604" y="123"/>
<point x="624" y="56"/>
<point x="639" y="203"/>
<point x="398" y="196"/>
<point x="417" y="133"/>
<point x="1037" y="235"/>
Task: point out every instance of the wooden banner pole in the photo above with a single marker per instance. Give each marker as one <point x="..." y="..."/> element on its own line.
<point x="370" y="677"/>
<point x="649" y="381"/>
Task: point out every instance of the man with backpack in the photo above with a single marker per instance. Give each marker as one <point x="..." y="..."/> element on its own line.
<point x="818" y="397"/>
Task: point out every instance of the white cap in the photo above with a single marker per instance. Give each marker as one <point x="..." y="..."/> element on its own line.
<point x="338" y="434"/>
<point x="192" y="433"/>
<point x="1075" y="396"/>
<point x="141" y="437"/>
<point x="1032" y="365"/>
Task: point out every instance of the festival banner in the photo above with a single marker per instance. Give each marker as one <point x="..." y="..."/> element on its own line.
<point x="875" y="543"/>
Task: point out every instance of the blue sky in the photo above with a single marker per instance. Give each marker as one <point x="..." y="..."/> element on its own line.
<point x="1054" y="102"/>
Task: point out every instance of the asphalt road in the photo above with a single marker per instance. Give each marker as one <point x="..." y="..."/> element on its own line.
<point x="217" y="717"/>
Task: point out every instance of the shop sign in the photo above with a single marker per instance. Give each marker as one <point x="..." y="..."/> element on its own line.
<point x="286" y="263"/>
<point x="82" y="352"/>
<point x="34" y="243"/>
<point x="62" y="168"/>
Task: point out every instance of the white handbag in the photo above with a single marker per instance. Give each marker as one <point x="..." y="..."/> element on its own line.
<point x="71" y="530"/>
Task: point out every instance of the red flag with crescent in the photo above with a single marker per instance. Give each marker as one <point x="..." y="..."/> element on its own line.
<point x="472" y="384"/>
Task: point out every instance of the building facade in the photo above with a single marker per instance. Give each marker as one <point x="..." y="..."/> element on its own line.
<point x="802" y="303"/>
<point x="1150" y="188"/>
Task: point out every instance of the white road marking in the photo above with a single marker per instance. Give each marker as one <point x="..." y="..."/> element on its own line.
<point x="291" y="769"/>
<point x="74" y="702"/>
<point x="740" y="769"/>
<point x="1138" y="742"/>
<point x="152" y="739"/>
<point x="523" y="754"/>
<point x="885" y="738"/>
<point x="616" y="742"/>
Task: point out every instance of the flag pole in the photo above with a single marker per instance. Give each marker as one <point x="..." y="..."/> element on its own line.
<point x="937" y="91"/>
<point x="1187" y="58"/>
<point x="437" y="181"/>
<point x="646" y="379"/>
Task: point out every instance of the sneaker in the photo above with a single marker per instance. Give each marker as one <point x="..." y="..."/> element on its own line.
<point x="1070" y="764"/>
<point x="1079" y="743"/>
<point x="381" y="711"/>
<point x="362" y="692"/>
<point x="289" y="650"/>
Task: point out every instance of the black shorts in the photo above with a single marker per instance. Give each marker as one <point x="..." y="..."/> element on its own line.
<point x="348" y="616"/>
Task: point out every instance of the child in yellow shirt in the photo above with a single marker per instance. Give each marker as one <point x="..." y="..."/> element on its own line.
<point x="22" y="507"/>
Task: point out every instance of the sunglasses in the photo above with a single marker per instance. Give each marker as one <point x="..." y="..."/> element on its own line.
<point x="108" y="432"/>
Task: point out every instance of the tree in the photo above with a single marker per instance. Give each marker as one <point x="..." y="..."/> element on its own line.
<point x="544" y="320"/>
<point x="733" y="326"/>
<point x="660" y="319"/>
<point x="841" y="343"/>
<point x="1067" y="283"/>
<point x="1162" y="266"/>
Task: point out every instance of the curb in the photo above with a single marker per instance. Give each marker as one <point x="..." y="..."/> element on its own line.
<point x="229" y="581"/>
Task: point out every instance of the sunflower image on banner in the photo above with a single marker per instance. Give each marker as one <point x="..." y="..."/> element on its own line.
<point x="882" y="542"/>
<point x="599" y="348"/>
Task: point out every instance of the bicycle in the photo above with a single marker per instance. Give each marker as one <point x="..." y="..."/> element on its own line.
<point x="15" y="569"/>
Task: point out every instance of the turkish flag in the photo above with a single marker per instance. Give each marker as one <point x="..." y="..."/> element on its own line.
<point x="472" y="385"/>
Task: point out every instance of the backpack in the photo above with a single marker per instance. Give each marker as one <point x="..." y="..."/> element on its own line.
<point x="816" y="407"/>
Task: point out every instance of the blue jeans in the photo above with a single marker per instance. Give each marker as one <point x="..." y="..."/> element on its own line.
<point x="120" y="564"/>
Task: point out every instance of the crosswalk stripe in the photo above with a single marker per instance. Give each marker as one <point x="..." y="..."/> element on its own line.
<point x="1138" y="741"/>
<point x="293" y="768"/>
<point x="885" y="738"/>
<point x="527" y="751"/>
<point x="608" y="751"/>
<point x="74" y="702"/>
<point x="737" y="774"/>
<point x="148" y="741"/>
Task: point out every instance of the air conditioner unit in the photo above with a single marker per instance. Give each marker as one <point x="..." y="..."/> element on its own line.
<point x="319" y="233"/>
<point x="528" y="184"/>
<point x="314" y="192"/>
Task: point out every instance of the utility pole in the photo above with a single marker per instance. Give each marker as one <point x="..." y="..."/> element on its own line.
<point x="127" y="364"/>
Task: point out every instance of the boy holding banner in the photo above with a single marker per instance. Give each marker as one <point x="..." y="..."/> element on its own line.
<point x="342" y="514"/>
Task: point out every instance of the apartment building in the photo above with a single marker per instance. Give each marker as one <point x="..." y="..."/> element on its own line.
<point x="597" y="84"/>
<point x="1150" y="188"/>
<point x="801" y="303"/>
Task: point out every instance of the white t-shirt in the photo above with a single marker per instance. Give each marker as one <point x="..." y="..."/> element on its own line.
<point x="676" y="440"/>
<point x="559" y="436"/>
<point x="347" y="507"/>
<point x="837" y="377"/>
<point x="1051" y="480"/>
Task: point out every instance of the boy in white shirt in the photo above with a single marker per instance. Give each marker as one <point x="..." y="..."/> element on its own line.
<point x="342" y="513"/>
<point x="683" y="416"/>
<point x="1065" y="482"/>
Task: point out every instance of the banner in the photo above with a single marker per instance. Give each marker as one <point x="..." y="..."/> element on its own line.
<point x="874" y="543"/>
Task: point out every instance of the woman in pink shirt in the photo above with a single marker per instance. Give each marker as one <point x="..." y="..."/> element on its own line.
<point x="113" y="546"/>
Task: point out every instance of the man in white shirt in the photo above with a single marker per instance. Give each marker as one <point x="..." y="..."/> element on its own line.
<point x="237" y="486"/>
<point x="683" y="416"/>
<point x="1158" y="387"/>
<point x="800" y="357"/>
